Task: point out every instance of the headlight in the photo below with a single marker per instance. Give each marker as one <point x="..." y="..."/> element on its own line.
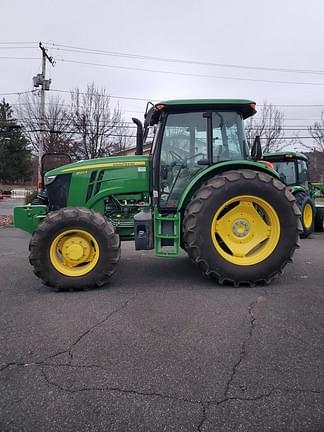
<point x="48" y="180"/>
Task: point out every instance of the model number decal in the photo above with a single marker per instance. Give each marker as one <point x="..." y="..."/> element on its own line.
<point x="106" y="165"/>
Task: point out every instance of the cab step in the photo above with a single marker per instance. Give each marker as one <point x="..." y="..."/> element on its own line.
<point x="166" y="234"/>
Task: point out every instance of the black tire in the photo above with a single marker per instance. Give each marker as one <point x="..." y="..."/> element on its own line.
<point x="319" y="220"/>
<point x="68" y="219"/>
<point x="210" y="197"/>
<point x="303" y="200"/>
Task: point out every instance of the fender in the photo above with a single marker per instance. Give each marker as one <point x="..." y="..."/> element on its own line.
<point x="217" y="169"/>
<point x="294" y="189"/>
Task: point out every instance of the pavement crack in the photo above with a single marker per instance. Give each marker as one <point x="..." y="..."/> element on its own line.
<point x="69" y="350"/>
<point x="3" y="367"/>
<point x="204" y="407"/>
<point x="118" y="390"/>
<point x="243" y="351"/>
<point x="254" y="398"/>
<point x="268" y="394"/>
<point x="15" y="364"/>
<point x="299" y="390"/>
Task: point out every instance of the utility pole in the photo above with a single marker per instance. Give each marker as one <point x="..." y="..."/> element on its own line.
<point x="41" y="81"/>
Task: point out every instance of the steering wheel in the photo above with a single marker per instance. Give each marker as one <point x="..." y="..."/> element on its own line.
<point x="181" y="159"/>
<point x="176" y="156"/>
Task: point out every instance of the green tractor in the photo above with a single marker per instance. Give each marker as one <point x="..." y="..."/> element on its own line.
<point x="201" y="189"/>
<point x="293" y="171"/>
<point x="317" y="193"/>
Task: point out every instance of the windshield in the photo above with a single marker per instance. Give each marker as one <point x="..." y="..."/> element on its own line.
<point x="185" y="144"/>
<point x="287" y="171"/>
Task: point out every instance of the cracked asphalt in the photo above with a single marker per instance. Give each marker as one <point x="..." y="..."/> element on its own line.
<point x="161" y="349"/>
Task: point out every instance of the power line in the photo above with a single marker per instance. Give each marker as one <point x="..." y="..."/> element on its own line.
<point x="160" y="99"/>
<point x="17" y="43"/>
<point x="70" y="48"/>
<point x="141" y="112"/>
<point x="16" y="47"/>
<point x="107" y="96"/>
<point x="77" y="132"/>
<point x="18" y="58"/>
<point x="17" y="93"/>
<point x="36" y="120"/>
<point x="297" y="105"/>
<point x="290" y="138"/>
<point x="129" y="125"/>
<point x="189" y="74"/>
<point x="282" y="129"/>
<point x="133" y="136"/>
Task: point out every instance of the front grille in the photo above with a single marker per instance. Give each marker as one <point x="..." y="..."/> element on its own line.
<point x="58" y="192"/>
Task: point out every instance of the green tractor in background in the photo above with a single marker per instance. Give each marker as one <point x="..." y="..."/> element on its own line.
<point x="317" y="192"/>
<point x="293" y="171"/>
<point x="201" y="189"/>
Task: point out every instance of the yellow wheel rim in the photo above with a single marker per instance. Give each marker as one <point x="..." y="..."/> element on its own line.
<point x="308" y="216"/>
<point x="74" y="252"/>
<point x="245" y="230"/>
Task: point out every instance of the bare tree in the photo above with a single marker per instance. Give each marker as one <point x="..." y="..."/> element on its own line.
<point x="317" y="132"/>
<point x="124" y="139"/>
<point x="268" y="124"/>
<point x="57" y="124"/>
<point x="99" y="129"/>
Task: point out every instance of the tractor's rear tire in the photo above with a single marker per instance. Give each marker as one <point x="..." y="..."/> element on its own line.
<point x="319" y="220"/>
<point x="241" y="227"/>
<point x="74" y="248"/>
<point x="307" y="210"/>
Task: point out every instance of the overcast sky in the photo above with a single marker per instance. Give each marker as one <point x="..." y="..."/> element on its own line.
<point x="279" y="34"/>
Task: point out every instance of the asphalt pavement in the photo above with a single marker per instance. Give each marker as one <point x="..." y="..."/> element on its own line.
<point x="161" y="349"/>
<point x="7" y="205"/>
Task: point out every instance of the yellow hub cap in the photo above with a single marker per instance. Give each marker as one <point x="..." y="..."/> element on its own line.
<point x="308" y="216"/>
<point x="245" y="230"/>
<point x="74" y="252"/>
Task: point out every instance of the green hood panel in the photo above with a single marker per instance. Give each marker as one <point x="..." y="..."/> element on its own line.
<point x="101" y="163"/>
<point x="94" y="180"/>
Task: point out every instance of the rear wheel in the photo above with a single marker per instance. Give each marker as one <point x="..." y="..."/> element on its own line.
<point x="307" y="210"/>
<point x="74" y="248"/>
<point x="241" y="227"/>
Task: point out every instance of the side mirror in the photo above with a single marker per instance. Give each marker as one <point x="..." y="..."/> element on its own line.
<point x="256" y="150"/>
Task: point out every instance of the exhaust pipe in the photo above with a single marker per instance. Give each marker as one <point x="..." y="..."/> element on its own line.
<point x="139" y="136"/>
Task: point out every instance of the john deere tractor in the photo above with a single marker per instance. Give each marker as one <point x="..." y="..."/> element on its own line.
<point x="201" y="189"/>
<point x="293" y="170"/>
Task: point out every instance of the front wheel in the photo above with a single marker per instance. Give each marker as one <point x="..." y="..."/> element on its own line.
<point x="74" y="248"/>
<point x="241" y="227"/>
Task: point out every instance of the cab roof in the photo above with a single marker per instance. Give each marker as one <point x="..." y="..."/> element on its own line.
<point x="285" y="155"/>
<point x="244" y="106"/>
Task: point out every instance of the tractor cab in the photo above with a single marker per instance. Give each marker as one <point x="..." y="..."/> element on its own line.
<point x="188" y="137"/>
<point x="292" y="168"/>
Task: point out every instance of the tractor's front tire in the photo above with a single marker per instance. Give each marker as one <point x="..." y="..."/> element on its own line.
<point x="74" y="248"/>
<point x="241" y="227"/>
<point x="307" y="210"/>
